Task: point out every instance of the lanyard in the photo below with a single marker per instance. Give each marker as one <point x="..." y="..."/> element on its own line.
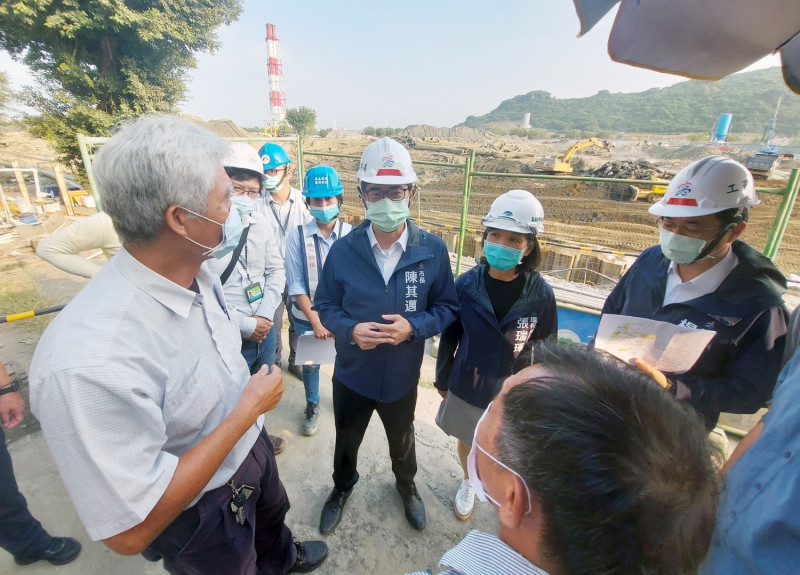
<point x="244" y="264"/>
<point x="285" y="224"/>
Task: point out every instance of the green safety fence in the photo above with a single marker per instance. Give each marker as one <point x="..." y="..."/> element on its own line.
<point x="788" y="193"/>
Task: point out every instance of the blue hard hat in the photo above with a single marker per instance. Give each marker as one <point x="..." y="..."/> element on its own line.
<point x="273" y="156"/>
<point x="322" y="182"/>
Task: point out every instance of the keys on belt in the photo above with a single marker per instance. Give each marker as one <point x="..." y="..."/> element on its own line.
<point x="238" y="498"/>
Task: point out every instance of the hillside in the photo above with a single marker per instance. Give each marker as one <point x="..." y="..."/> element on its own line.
<point x="690" y="106"/>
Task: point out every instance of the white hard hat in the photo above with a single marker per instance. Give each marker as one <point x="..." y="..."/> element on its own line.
<point x="243" y="157"/>
<point x="386" y="162"/>
<point x="705" y="187"/>
<point x="516" y="211"/>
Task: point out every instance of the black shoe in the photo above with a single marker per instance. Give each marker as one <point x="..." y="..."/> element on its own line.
<point x="278" y="444"/>
<point x="415" y="508"/>
<point x="310" y="555"/>
<point x="62" y="550"/>
<point x="332" y="510"/>
<point x="296" y="371"/>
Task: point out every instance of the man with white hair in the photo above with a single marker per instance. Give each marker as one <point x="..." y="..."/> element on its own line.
<point x="156" y="426"/>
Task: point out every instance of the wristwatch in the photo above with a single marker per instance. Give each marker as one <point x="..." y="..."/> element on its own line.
<point x="11" y="388"/>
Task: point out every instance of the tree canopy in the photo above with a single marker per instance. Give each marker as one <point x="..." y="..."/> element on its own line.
<point x="302" y="119"/>
<point x="99" y="61"/>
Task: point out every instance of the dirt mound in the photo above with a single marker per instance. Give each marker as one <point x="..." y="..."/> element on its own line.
<point x="432" y="133"/>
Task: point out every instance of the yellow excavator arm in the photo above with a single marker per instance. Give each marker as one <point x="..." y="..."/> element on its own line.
<point x="588" y="142"/>
<point x="561" y="164"/>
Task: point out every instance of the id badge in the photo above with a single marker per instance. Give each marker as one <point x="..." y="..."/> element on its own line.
<point x="254" y="292"/>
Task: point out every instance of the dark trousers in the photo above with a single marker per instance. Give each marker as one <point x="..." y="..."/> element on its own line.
<point x="20" y="533"/>
<point x="277" y="327"/>
<point x="352" y="412"/>
<point x="206" y="539"/>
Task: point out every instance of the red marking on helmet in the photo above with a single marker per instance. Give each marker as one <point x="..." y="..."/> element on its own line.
<point x="682" y="202"/>
<point x="388" y="172"/>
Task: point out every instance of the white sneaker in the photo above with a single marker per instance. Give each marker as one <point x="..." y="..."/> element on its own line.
<point x="464" y="501"/>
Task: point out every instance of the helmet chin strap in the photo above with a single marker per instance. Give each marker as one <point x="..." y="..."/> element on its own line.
<point x="709" y="251"/>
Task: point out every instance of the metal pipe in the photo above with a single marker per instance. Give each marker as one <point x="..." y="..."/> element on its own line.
<point x="784" y="213"/>
<point x="301" y="173"/>
<point x="464" y="209"/>
<point x="87" y="165"/>
<point x="31" y="313"/>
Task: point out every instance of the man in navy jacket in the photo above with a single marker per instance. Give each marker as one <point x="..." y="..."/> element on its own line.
<point x="385" y="288"/>
<point x="701" y="276"/>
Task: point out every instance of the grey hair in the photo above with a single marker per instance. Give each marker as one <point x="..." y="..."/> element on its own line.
<point x="151" y="164"/>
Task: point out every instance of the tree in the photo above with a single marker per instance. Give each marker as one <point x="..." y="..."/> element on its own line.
<point x="100" y="61"/>
<point x="368" y="131"/>
<point x="324" y="132"/>
<point x="302" y="119"/>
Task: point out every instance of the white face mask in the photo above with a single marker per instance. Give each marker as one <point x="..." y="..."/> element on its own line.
<point x="680" y="249"/>
<point x="472" y="468"/>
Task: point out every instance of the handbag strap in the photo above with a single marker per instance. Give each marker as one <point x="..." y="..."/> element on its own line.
<point x="234" y="258"/>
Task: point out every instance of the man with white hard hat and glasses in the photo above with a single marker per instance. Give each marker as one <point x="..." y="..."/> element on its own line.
<point x="252" y="275"/>
<point x="385" y="288"/>
<point x="702" y="276"/>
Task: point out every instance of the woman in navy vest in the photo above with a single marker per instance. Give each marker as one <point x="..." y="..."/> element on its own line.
<point x="306" y="250"/>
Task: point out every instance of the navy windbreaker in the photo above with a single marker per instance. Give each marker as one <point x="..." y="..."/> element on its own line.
<point x="352" y="291"/>
<point x="736" y="373"/>
<point x="478" y="351"/>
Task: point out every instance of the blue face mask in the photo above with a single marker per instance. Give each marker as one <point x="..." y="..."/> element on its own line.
<point x="232" y="230"/>
<point x="326" y="214"/>
<point x="243" y="204"/>
<point x="501" y="257"/>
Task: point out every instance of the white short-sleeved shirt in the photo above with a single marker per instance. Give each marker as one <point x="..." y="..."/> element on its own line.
<point x="134" y="372"/>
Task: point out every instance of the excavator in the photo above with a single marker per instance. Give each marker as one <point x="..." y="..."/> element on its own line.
<point x="561" y="164"/>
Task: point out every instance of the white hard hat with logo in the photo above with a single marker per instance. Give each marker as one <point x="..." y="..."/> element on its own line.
<point x="243" y="157"/>
<point x="705" y="187"/>
<point x="386" y="162"/>
<point x="516" y="211"/>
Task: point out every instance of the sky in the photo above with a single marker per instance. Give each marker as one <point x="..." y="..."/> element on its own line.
<point x="394" y="64"/>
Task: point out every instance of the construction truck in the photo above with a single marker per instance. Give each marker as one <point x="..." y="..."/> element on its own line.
<point x="561" y="164"/>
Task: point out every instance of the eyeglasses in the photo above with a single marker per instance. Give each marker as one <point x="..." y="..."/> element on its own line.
<point x="249" y="192"/>
<point x="690" y="230"/>
<point x="274" y="171"/>
<point x="394" y="193"/>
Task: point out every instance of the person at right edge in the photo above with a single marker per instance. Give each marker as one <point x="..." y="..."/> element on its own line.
<point x="702" y="276"/>
<point x="385" y="288"/>
<point x="505" y="308"/>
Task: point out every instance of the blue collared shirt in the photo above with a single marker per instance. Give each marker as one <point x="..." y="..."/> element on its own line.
<point x="758" y="520"/>
<point x="483" y="554"/>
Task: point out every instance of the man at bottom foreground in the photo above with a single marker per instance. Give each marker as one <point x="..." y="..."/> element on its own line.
<point x="155" y="423"/>
<point x="592" y="468"/>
